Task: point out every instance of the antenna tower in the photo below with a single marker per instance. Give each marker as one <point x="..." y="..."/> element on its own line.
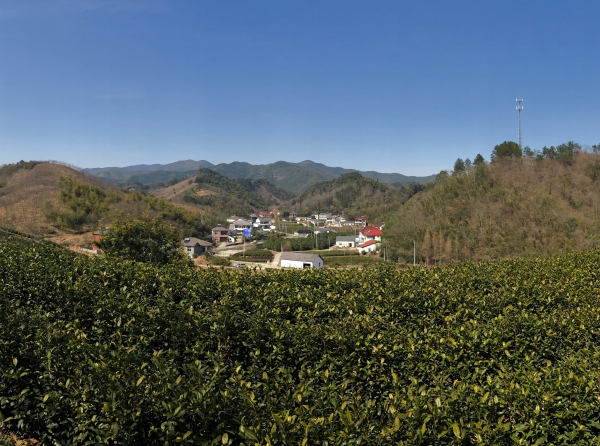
<point x="519" y="108"/>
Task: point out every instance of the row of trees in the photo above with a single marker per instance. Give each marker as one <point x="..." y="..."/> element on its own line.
<point x="564" y="153"/>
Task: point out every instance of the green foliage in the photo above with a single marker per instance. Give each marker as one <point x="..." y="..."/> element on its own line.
<point x="256" y="253"/>
<point x="218" y="260"/>
<point x="2" y="184"/>
<point x="9" y="169"/>
<point x="101" y="351"/>
<point x="352" y="194"/>
<point x="593" y="170"/>
<point x="479" y="160"/>
<point x="504" y="209"/>
<point x="563" y="153"/>
<point x="143" y="241"/>
<point x="459" y="165"/>
<point x="508" y="149"/>
<point x="160" y="178"/>
<point x="83" y="205"/>
<point x="323" y="241"/>
<point x="5" y="441"/>
<point x="351" y="260"/>
<point x="240" y="197"/>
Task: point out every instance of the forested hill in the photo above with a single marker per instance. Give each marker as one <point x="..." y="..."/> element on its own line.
<point x="211" y="192"/>
<point x="529" y="207"/>
<point x="352" y="194"/>
<point x="292" y="177"/>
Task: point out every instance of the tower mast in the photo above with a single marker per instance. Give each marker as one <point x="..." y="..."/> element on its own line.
<point x="519" y="108"/>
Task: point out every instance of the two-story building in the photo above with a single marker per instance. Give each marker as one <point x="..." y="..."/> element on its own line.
<point x="219" y="234"/>
<point x="368" y="239"/>
<point x="240" y="224"/>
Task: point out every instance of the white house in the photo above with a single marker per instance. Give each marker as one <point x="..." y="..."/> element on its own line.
<point x="300" y="261"/>
<point x="368" y="239"/>
<point x="369" y="233"/>
<point x="240" y="224"/>
<point x="345" y="241"/>
<point x="262" y="223"/>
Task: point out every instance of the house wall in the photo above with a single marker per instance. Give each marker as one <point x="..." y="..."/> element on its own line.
<point x="318" y="263"/>
<point x="370" y="248"/>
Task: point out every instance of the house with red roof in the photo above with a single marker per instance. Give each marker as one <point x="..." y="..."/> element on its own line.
<point x="368" y="239"/>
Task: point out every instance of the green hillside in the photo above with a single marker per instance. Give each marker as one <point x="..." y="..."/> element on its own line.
<point x="352" y="194"/>
<point x="159" y="178"/>
<point x="123" y="175"/>
<point x="292" y="177"/>
<point x="532" y="206"/>
<point x="215" y="194"/>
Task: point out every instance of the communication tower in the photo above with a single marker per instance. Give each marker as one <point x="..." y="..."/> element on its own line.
<point x="519" y="108"/>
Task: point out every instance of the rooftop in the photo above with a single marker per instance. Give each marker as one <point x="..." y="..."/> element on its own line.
<point x="193" y="241"/>
<point x="367" y="243"/>
<point x="370" y="231"/>
<point x="299" y="257"/>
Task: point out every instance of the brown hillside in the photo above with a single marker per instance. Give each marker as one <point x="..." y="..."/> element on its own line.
<point x="26" y="191"/>
<point x="62" y="204"/>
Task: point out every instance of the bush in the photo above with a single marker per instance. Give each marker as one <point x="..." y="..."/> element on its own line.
<point x="143" y="241"/>
<point x="218" y="261"/>
<point x="105" y="351"/>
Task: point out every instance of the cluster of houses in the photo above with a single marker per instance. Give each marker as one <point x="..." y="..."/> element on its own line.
<point x="328" y="219"/>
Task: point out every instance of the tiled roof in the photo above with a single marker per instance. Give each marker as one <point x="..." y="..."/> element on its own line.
<point x="299" y="257"/>
<point x="370" y="231"/>
<point x="345" y="238"/>
<point x="367" y="243"/>
<point x="193" y="241"/>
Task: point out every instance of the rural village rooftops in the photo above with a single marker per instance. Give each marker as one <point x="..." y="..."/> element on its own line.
<point x="345" y="238"/>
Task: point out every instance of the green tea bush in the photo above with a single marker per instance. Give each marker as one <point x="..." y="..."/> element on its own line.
<point x="105" y="351"/>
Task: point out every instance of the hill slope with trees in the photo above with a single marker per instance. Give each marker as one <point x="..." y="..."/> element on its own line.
<point x="352" y="194"/>
<point x="211" y="192"/>
<point x="527" y="206"/>
<point x="52" y="200"/>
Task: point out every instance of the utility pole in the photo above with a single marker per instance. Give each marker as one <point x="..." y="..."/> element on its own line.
<point x="519" y="108"/>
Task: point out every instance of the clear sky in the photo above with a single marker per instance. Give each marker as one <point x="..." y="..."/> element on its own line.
<point x="392" y="86"/>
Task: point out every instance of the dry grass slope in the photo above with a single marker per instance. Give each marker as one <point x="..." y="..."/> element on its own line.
<point x="26" y="191"/>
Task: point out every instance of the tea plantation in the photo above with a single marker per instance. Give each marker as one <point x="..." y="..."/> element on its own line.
<point x="97" y="351"/>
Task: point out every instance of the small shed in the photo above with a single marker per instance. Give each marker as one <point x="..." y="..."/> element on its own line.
<point x="195" y="246"/>
<point x="301" y="261"/>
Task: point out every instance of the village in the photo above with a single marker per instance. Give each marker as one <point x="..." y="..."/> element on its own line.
<point x="247" y="233"/>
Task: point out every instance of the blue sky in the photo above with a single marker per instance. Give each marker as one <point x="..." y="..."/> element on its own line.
<point x="392" y="86"/>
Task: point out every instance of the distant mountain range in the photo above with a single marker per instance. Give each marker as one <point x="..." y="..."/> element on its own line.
<point x="292" y="177"/>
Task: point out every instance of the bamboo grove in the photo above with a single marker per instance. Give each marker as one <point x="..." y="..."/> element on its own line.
<point x="98" y="351"/>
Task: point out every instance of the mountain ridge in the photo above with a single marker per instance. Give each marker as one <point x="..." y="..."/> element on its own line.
<point x="292" y="177"/>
